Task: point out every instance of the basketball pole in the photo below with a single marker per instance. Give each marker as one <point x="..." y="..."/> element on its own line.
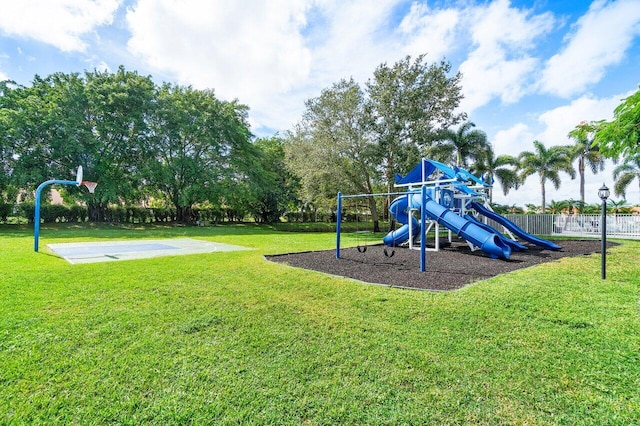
<point x="36" y="218"/>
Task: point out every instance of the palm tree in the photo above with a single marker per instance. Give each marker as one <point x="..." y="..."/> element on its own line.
<point x="456" y="147"/>
<point x="531" y="208"/>
<point x="593" y="208"/>
<point x="576" y="205"/>
<point x="616" y="207"/>
<point x="500" y="208"/>
<point x="586" y="151"/>
<point x="515" y="209"/>
<point x="558" y="206"/>
<point x="625" y="173"/>
<point x="547" y="163"/>
<point x="492" y="167"/>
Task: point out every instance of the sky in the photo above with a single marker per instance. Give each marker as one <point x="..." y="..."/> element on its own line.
<point x="532" y="70"/>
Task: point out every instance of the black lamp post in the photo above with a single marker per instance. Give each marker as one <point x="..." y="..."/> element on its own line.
<point x="603" y="193"/>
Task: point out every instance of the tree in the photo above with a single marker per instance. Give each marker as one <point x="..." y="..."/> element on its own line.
<point x="200" y="149"/>
<point x="532" y="208"/>
<point x="557" y="206"/>
<point x="45" y="132"/>
<point x="547" y="163"/>
<point x="586" y="151"/>
<point x="458" y="146"/>
<point x="27" y="120"/>
<point x="7" y="160"/>
<point x="408" y="103"/>
<point x="277" y="186"/>
<point x="617" y="207"/>
<point x="625" y="173"/>
<point x="329" y="151"/>
<point x="621" y="136"/>
<point x="576" y="205"/>
<point x="118" y="112"/>
<point x="500" y="168"/>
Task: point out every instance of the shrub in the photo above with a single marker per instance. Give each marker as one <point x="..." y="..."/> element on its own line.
<point x="5" y="211"/>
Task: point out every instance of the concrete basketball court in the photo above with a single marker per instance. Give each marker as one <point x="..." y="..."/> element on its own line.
<point x="110" y="251"/>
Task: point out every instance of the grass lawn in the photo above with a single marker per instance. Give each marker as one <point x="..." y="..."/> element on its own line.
<point x="228" y="338"/>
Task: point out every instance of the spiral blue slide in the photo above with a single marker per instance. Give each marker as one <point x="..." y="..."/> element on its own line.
<point x="489" y="242"/>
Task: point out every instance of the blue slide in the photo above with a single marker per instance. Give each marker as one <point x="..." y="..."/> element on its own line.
<point x="398" y="210"/>
<point x="545" y="244"/>
<point x="489" y="242"/>
<point x="508" y="241"/>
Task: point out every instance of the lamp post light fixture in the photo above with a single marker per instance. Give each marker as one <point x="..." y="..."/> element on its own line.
<point x="603" y="193"/>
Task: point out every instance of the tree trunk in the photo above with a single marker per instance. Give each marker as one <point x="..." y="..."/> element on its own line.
<point x="374" y="214"/>
<point x="184" y="214"/>
<point x="581" y="164"/>
<point x="544" y="205"/>
<point x="96" y="212"/>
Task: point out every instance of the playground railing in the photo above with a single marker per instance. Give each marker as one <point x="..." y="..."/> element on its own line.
<point x="580" y="225"/>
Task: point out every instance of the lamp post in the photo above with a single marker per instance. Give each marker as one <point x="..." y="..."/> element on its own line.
<point x="603" y="193"/>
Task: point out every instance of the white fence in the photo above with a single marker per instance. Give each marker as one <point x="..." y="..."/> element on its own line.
<point x="586" y="225"/>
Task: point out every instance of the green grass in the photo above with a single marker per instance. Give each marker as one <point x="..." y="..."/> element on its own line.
<point x="228" y="338"/>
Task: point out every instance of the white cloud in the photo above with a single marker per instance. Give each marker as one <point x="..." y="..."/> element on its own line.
<point x="271" y="55"/>
<point x="427" y="31"/>
<point x="601" y="38"/>
<point x="242" y="50"/>
<point x="98" y="65"/>
<point x="513" y="140"/>
<point x="60" y="23"/>
<point x="500" y="65"/>
<point x="3" y="76"/>
<point x="558" y="122"/>
<point x="353" y="39"/>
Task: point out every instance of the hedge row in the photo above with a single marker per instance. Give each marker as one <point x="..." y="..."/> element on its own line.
<point x="116" y="214"/>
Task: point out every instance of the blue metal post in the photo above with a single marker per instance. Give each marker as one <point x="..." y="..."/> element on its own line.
<point x="338" y="224"/>
<point x="36" y="217"/>
<point x="423" y="220"/>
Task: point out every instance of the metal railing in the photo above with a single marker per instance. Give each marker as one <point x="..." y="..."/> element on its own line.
<point x="585" y="225"/>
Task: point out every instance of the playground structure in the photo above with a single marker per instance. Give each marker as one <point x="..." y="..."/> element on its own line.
<point x="450" y="200"/>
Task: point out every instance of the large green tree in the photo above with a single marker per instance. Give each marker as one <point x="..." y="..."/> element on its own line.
<point x="330" y="151"/>
<point x="408" y="102"/>
<point x="621" y="136"/>
<point x="547" y="163"/>
<point x="44" y="129"/>
<point x="7" y="139"/>
<point x="135" y="139"/>
<point x="200" y="149"/>
<point x="119" y="108"/>
<point x="586" y="151"/>
<point x="276" y="187"/>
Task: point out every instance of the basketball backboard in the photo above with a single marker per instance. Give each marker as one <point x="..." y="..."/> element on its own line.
<point x="79" y="175"/>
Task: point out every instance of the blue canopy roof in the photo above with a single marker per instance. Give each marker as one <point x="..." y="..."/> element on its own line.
<point x="421" y="173"/>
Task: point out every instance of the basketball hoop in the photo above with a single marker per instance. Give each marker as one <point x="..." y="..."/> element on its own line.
<point x="91" y="186"/>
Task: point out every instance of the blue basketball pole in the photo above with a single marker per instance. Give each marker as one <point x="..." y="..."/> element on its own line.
<point x="36" y="218"/>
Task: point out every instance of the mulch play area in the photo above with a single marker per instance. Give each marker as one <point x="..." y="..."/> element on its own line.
<point x="453" y="267"/>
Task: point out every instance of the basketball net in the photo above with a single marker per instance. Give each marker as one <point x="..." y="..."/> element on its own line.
<point x="91" y="186"/>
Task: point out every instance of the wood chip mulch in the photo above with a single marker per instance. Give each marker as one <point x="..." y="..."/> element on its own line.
<point x="453" y="267"/>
